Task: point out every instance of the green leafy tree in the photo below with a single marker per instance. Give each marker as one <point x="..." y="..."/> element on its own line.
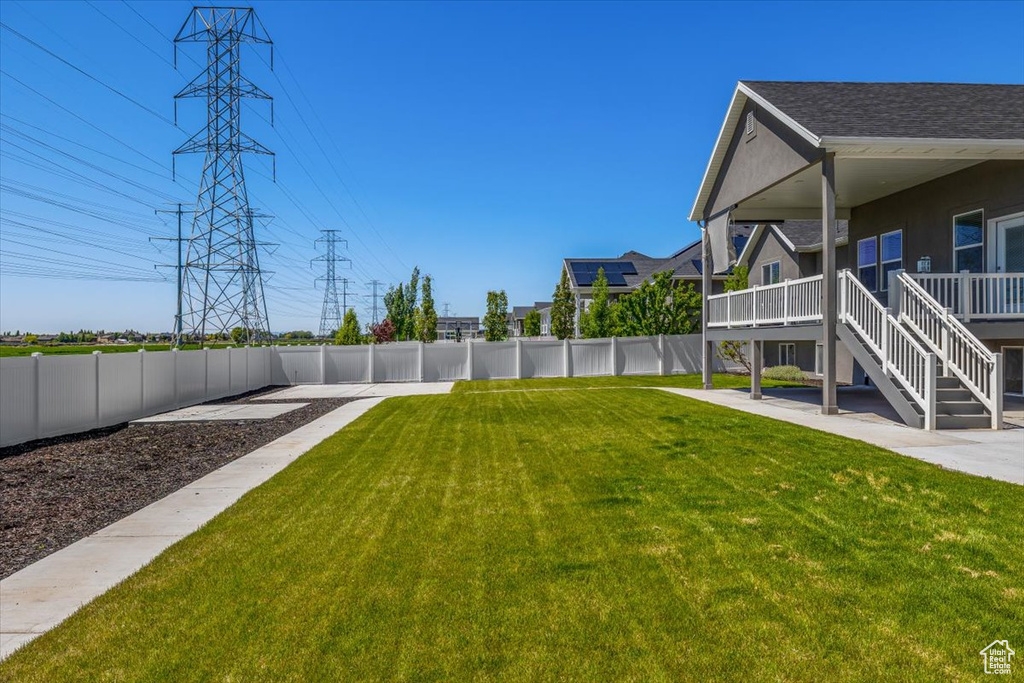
<point x="350" y="333"/>
<point x="734" y="350"/>
<point x="658" y="306"/>
<point x="597" y="321"/>
<point x="426" y="320"/>
<point x="496" y="319"/>
<point x="563" y="309"/>
<point x="238" y="334"/>
<point x="30" y="338"/>
<point x="400" y="302"/>
<point x="531" y="323"/>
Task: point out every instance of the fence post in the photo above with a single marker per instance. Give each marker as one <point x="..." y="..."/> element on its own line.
<point x="965" y="295"/>
<point x="174" y="369"/>
<point x="142" y="381"/>
<point x="96" y="359"/>
<point x="662" y="365"/>
<point x="996" y="389"/>
<point x="206" y="373"/>
<point x="419" y="360"/>
<point x="228" y="351"/>
<point x="469" y="359"/>
<point x="369" y="365"/>
<point x="37" y="411"/>
<point x="929" y="392"/>
<point x="519" y="358"/>
<point x="566" y="357"/>
<point x="323" y="364"/>
<point x="615" y="357"/>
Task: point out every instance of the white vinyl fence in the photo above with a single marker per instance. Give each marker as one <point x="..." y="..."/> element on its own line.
<point x="43" y="396"/>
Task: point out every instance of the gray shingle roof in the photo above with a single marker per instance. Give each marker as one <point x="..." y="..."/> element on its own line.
<point x="900" y="110"/>
<point x="806" y="234"/>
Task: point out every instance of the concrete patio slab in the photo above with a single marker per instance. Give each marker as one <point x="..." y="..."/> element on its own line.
<point x="42" y="595"/>
<point x="225" y="411"/>
<point x="997" y="454"/>
<point x="308" y="391"/>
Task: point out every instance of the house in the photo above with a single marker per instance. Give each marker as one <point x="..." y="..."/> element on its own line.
<point x="625" y="273"/>
<point x="452" y="328"/>
<point x="929" y="300"/>
<point x="517" y="319"/>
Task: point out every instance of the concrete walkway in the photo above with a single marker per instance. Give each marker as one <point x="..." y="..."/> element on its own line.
<point x="986" y="453"/>
<point x="40" y="596"/>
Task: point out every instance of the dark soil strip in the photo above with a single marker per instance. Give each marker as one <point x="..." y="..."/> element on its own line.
<point x="54" y="492"/>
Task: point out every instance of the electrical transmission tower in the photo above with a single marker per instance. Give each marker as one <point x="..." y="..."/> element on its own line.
<point x="221" y="284"/>
<point x="330" y="316"/>
<point x="376" y="315"/>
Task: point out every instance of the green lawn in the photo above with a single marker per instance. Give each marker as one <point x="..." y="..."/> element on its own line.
<point x="580" y="535"/>
<point x="721" y="381"/>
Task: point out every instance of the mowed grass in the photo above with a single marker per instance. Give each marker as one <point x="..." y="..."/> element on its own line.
<point x="721" y="381"/>
<point x="578" y="535"/>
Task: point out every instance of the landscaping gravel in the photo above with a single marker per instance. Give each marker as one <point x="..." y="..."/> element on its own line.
<point x="56" y="491"/>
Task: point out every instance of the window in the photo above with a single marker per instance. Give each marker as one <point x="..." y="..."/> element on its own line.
<point x="819" y="359"/>
<point x="770" y="273"/>
<point x="787" y="354"/>
<point x="867" y="262"/>
<point x="892" y="255"/>
<point x="968" y="239"/>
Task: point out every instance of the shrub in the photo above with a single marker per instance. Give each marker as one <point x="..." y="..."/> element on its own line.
<point x="785" y="373"/>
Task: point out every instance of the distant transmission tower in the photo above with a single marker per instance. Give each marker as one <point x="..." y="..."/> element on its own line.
<point x="376" y="315"/>
<point x="221" y="285"/>
<point x="330" y="316"/>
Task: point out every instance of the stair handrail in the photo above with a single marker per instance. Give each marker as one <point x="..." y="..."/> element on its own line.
<point x="902" y="357"/>
<point x="960" y="352"/>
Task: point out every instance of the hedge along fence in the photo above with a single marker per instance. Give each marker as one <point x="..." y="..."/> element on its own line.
<point x="43" y="396"/>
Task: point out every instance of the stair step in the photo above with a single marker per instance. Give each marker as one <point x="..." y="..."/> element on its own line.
<point x="959" y="408"/>
<point x="963" y="421"/>
<point x="947" y="383"/>
<point x="945" y="395"/>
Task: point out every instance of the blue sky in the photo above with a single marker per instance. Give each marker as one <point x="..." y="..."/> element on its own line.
<point x="483" y="142"/>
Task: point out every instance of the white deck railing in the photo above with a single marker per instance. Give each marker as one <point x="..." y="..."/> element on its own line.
<point x="959" y="351"/>
<point x="785" y="303"/>
<point x="900" y="355"/>
<point x="976" y="295"/>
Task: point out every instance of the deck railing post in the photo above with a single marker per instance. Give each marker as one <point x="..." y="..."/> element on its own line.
<point x="965" y="295"/>
<point x="945" y="342"/>
<point x="885" y="340"/>
<point x="785" y="302"/>
<point x="996" y="390"/>
<point x="753" y="306"/>
<point x="728" y="309"/>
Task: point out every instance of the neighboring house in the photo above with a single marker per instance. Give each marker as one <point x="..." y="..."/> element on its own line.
<point x="449" y="328"/>
<point x="930" y="178"/>
<point x="626" y="272"/>
<point x="517" y="319"/>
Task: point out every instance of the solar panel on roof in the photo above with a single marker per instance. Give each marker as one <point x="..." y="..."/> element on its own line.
<point x="585" y="272"/>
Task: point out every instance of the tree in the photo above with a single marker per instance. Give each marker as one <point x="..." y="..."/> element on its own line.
<point x="496" y="319"/>
<point x="563" y="309"/>
<point x="658" y="306"/>
<point x="426" y="320"/>
<point x="349" y="334"/>
<point x="531" y="323"/>
<point x="238" y="334"/>
<point x="30" y="338"/>
<point x="383" y="332"/>
<point x="733" y="350"/>
<point x="400" y="302"/>
<point x="596" y="322"/>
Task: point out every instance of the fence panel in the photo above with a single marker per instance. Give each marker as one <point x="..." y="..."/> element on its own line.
<point x="399" y="362"/>
<point x="67" y="394"/>
<point x="239" y="370"/>
<point x="543" y="359"/>
<point x="298" y="364"/>
<point x="494" y="360"/>
<point x="347" y="364"/>
<point x="217" y="374"/>
<point x="445" y="362"/>
<point x="158" y="381"/>
<point x="120" y="387"/>
<point x="591" y="357"/>
<point x="191" y="377"/>
<point x="18" y="400"/>
<point x="638" y="355"/>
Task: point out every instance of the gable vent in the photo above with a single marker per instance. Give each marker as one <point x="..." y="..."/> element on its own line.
<point x="750" y="123"/>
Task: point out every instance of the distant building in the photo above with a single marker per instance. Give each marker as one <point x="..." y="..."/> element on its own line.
<point x="517" y="319"/>
<point x="450" y="328"/>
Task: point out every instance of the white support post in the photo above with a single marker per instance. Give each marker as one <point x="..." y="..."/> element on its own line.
<point x="706" y="345"/>
<point x="728" y="309"/>
<point x="844" y="284"/>
<point x="566" y="358"/>
<point x="885" y="341"/>
<point x="662" y="365"/>
<point x="37" y="408"/>
<point x="785" y="302"/>
<point x="996" y="388"/>
<point x="615" y="357"/>
<point x="96" y="358"/>
<point x="469" y="359"/>
<point x="829" y="404"/>
<point x="369" y="364"/>
<point x="965" y="295"/>
<point x="142" y="381"/>
<point x="930" y="390"/>
<point x="756" y="361"/>
<point x="753" y="306"/>
<point x="419" y="360"/>
<point x="945" y="342"/>
<point x="519" y="358"/>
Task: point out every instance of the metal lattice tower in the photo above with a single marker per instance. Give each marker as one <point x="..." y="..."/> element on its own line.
<point x="221" y="284"/>
<point x="375" y="308"/>
<point x="331" y="314"/>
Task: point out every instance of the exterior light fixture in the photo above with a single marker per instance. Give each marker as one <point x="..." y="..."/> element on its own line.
<point x="924" y="264"/>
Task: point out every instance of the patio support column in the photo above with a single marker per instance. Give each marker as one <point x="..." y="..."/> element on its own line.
<point x="829" y="405"/>
<point x="756" y="363"/>
<point x="707" y="350"/>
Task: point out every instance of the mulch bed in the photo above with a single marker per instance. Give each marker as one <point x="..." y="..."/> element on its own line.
<point x="56" y="491"/>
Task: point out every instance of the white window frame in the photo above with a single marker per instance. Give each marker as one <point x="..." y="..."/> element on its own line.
<point x="790" y="354"/>
<point x="778" y="266"/>
<point x="984" y="229"/>
<point x="860" y="266"/>
<point x="882" y="275"/>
